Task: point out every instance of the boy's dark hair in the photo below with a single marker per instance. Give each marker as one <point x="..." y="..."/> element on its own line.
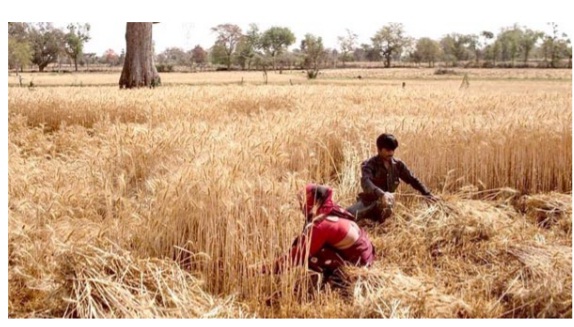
<point x="387" y="141"/>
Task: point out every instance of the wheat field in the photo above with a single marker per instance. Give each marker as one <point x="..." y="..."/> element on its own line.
<point x="158" y="202"/>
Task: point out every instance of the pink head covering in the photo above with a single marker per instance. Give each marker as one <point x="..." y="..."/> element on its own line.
<point x="321" y="196"/>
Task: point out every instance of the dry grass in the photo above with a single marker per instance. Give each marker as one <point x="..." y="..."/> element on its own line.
<point x="470" y="258"/>
<point x="200" y="78"/>
<point x="154" y="203"/>
<point x="90" y="277"/>
<point x="398" y="74"/>
<point x="388" y="77"/>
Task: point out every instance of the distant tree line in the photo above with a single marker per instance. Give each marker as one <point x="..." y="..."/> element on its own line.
<point x="42" y="44"/>
<point x="38" y="45"/>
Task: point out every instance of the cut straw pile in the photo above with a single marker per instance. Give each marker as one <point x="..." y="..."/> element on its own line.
<point x="470" y="258"/>
<point x="103" y="281"/>
<point x="111" y="284"/>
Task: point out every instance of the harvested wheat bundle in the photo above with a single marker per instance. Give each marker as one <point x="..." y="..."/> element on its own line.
<point x="110" y="283"/>
<point x="30" y="267"/>
<point x="455" y="227"/>
<point x="459" y="248"/>
<point x="503" y="194"/>
<point x="547" y="210"/>
<point x="543" y="287"/>
<point x="390" y="293"/>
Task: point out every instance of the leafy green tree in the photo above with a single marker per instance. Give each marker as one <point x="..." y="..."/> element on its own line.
<point x="367" y="52"/>
<point x="275" y="41"/>
<point x="47" y="43"/>
<point x="482" y="41"/>
<point x="19" y="54"/>
<point x="556" y="47"/>
<point x="528" y="41"/>
<point x="19" y="31"/>
<point x="314" y="54"/>
<point x="427" y="50"/>
<point x="19" y="48"/>
<point x="244" y="53"/>
<point x="75" y="39"/>
<point x="568" y="52"/>
<point x="456" y="47"/>
<point x="414" y="56"/>
<point x="509" y="43"/>
<point x="218" y="55"/>
<point x="228" y="36"/>
<point x="474" y="47"/>
<point x="248" y="46"/>
<point x="390" y="41"/>
<point x="173" y="56"/>
<point x="347" y="44"/>
<point x="289" y="59"/>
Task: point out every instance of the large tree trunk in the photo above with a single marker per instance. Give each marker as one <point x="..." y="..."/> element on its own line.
<point x="139" y="69"/>
<point x="41" y="67"/>
<point x="387" y="61"/>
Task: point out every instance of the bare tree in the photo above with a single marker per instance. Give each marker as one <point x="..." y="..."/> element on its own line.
<point x="139" y="69"/>
<point x="347" y="44"/>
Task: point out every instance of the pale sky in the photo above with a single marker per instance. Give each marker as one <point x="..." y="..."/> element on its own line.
<point x="186" y="25"/>
<point x="186" y="35"/>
